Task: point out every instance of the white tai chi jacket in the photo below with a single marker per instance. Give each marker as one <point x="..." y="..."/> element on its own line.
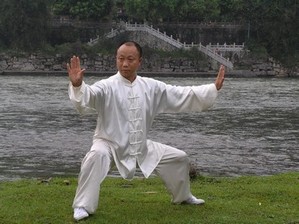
<point x="127" y="110"/>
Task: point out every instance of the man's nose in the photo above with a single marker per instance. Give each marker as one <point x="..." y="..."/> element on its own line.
<point x="125" y="63"/>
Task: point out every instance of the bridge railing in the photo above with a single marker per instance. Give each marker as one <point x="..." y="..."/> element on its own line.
<point x="226" y="47"/>
<point x="211" y="53"/>
<point x="169" y="39"/>
<point x="154" y="32"/>
<point x="210" y="50"/>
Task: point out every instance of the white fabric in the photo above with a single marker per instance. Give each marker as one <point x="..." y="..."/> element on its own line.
<point x="173" y="169"/>
<point x="94" y="168"/>
<point x="127" y="110"/>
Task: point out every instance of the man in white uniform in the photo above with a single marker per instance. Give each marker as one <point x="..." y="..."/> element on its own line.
<point x="126" y="105"/>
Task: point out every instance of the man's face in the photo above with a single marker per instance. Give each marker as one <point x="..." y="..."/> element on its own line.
<point x="128" y="61"/>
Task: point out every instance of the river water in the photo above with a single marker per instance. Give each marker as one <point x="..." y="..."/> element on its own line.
<point x="253" y="129"/>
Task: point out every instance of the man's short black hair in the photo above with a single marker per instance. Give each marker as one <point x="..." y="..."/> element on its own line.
<point x="131" y="43"/>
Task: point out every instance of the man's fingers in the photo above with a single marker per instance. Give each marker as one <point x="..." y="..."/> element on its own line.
<point x="82" y="72"/>
<point x="77" y="62"/>
<point x="220" y="77"/>
<point x="68" y="67"/>
<point x="74" y="71"/>
<point x="74" y="65"/>
<point x="221" y="71"/>
<point x="73" y="62"/>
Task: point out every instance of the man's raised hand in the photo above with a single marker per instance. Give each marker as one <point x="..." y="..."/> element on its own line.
<point x="220" y="77"/>
<point x="75" y="72"/>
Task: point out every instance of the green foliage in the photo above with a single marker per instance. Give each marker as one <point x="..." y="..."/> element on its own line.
<point x="278" y="28"/>
<point x="232" y="10"/>
<point x="247" y="199"/>
<point x="24" y="23"/>
<point x="257" y="51"/>
<point x="76" y="48"/>
<point x="272" y="25"/>
<point x="105" y="47"/>
<point x="138" y="10"/>
<point x="172" y="10"/>
<point x="200" y="11"/>
<point x="193" y="53"/>
<point x="108" y="46"/>
<point x="83" y="9"/>
<point x="65" y="34"/>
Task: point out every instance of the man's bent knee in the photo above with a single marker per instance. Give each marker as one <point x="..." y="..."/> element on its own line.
<point x="182" y="156"/>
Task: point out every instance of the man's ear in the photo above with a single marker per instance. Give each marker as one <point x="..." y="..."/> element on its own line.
<point x="140" y="59"/>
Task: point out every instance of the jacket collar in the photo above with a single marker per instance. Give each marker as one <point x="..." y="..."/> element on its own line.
<point x="126" y="81"/>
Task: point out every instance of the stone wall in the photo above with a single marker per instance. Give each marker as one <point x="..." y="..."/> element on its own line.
<point x="103" y="63"/>
<point x="155" y="63"/>
<point x="32" y="62"/>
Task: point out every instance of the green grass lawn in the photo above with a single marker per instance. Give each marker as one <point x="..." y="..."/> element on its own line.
<point x="247" y="199"/>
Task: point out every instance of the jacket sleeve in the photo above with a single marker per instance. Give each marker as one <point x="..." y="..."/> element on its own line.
<point x="86" y="99"/>
<point x="186" y="98"/>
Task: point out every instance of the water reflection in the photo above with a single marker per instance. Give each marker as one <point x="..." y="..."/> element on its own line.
<point x="253" y="128"/>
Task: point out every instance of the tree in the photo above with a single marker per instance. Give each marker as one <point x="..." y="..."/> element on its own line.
<point x="274" y="24"/>
<point x="24" y="23"/>
<point x="83" y="9"/>
<point x="196" y="10"/>
<point x="280" y="32"/>
<point x="232" y="10"/>
<point x="138" y="10"/>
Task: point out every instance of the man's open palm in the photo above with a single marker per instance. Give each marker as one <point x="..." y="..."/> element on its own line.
<point x="75" y="72"/>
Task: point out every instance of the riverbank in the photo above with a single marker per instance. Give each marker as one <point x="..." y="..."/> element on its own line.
<point x="247" y="199"/>
<point x="229" y="73"/>
<point x="104" y="65"/>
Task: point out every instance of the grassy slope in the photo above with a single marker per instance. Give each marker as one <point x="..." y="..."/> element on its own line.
<point x="271" y="199"/>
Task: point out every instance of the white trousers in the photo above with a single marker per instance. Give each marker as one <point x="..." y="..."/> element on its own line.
<point x="173" y="169"/>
